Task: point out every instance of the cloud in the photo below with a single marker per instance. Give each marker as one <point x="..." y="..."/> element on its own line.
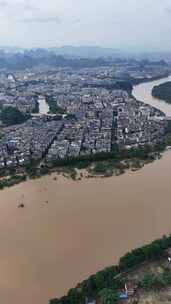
<point x="77" y="20"/>
<point x="29" y="12"/>
<point x="4" y="4"/>
<point x="41" y="20"/>
<point x="168" y="10"/>
<point x="124" y="24"/>
<point x="31" y="8"/>
<point x="18" y="6"/>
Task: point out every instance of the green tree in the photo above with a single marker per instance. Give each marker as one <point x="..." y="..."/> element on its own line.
<point x="73" y="296"/>
<point x="148" y="281"/>
<point x="108" y="296"/>
<point x="12" y="116"/>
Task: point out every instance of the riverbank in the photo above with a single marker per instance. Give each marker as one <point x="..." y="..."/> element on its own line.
<point x="143" y="92"/>
<point x="151" y="79"/>
<point x="55" y="241"/>
<point x="69" y="230"/>
<point x="100" y="165"/>
<point x="97" y="166"/>
<point x="163" y="92"/>
<point x="137" y="271"/>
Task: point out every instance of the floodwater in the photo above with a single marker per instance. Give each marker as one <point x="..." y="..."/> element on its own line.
<point x="143" y="92"/>
<point x="43" y="105"/>
<point x="69" y="230"/>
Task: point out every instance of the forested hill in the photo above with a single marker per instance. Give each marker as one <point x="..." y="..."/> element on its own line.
<point x="163" y="91"/>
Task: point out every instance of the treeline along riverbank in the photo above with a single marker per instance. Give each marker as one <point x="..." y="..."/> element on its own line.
<point x="109" y="279"/>
<point x="103" y="164"/>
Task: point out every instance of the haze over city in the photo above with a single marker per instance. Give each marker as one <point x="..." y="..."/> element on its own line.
<point x="106" y="23"/>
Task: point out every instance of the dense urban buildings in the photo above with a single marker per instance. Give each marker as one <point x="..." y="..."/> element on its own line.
<point x="87" y="111"/>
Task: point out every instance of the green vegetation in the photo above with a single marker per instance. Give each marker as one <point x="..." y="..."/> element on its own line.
<point x="105" y="284"/>
<point x="53" y="106"/>
<point x="11" y="181"/>
<point x="109" y="167"/>
<point x="155" y="282"/>
<point x="100" y="168"/>
<point x="136" y="81"/>
<point x="100" y="164"/>
<point x="117" y="156"/>
<point x="107" y="164"/>
<point x="70" y="116"/>
<point x="103" y="164"/>
<point x="163" y="91"/>
<point x="116" y="85"/>
<point x="108" y="296"/>
<point x="12" y="116"/>
<point x="36" y="109"/>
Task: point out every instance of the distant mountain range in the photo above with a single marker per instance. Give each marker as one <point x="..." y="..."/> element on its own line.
<point x="67" y="56"/>
<point x="86" y="51"/>
<point x="67" y="51"/>
<point x="76" y="57"/>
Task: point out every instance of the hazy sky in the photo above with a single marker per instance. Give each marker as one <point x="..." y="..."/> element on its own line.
<point x="125" y="24"/>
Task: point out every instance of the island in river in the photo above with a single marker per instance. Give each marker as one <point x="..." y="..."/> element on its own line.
<point x="163" y="91"/>
<point x="68" y="230"/>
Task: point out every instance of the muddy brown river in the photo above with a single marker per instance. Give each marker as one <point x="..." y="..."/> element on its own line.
<point x="47" y="248"/>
